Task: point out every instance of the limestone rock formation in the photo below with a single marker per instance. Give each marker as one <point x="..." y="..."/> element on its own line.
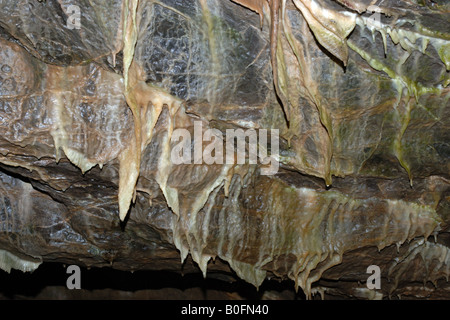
<point x="93" y="95"/>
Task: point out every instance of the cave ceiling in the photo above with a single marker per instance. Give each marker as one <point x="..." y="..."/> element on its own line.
<point x="349" y="101"/>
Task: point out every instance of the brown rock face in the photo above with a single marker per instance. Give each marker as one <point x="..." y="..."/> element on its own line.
<point x="116" y="148"/>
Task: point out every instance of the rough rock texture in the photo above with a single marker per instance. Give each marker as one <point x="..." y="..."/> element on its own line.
<point x="359" y="93"/>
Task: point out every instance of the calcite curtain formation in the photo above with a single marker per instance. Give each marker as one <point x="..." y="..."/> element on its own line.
<point x="358" y="91"/>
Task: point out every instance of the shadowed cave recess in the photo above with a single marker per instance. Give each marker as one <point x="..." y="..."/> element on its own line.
<point x="352" y="98"/>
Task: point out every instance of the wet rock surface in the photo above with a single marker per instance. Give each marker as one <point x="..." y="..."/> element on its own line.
<point x="361" y="103"/>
